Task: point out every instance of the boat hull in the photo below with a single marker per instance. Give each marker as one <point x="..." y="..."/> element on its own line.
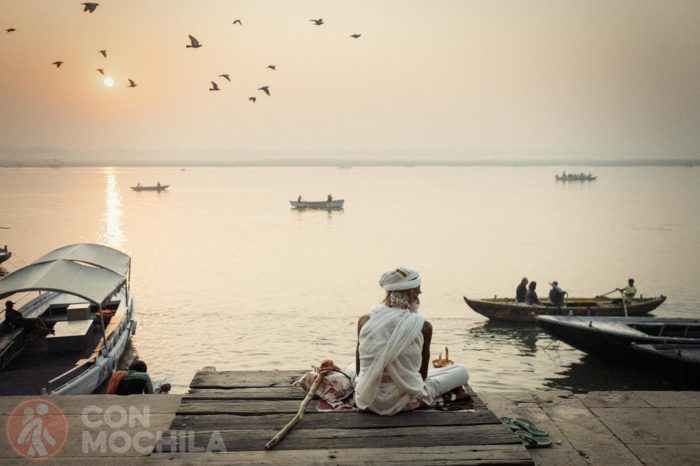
<point x="327" y="205"/>
<point x="150" y="188"/>
<point x="506" y="309"/>
<point x="612" y="337"/>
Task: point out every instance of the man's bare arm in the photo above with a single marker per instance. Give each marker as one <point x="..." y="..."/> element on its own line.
<point x="425" y="359"/>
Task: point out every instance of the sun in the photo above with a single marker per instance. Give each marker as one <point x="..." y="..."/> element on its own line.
<point x="109" y="82"/>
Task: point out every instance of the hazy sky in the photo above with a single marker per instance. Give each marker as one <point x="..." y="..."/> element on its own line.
<point x="592" y="77"/>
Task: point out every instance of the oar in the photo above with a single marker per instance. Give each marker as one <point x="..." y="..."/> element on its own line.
<point x="624" y="303"/>
<point x="611" y="291"/>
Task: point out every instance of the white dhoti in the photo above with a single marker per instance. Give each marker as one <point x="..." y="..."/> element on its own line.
<point x="391" y="344"/>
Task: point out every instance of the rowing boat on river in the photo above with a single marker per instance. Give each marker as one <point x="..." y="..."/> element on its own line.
<point x="328" y="205"/>
<point x="508" y="309"/>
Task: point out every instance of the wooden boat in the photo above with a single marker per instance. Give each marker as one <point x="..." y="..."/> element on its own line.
<point x="5" y="254"/>
<point x="328" y="205"/>
<point x="158" y="187"/>
<point x="575" y="177"/>
<point x="82" y="292"/>
<point x="613" y="336"/>
<point x="682" y="358"/>
<point x="509" y="310"/>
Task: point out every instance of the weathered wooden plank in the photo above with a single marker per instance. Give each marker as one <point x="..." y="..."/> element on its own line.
<point x="250" y="407"/>
<point x="266" y="393"/>
<point x="244" y="379"/>
<point x="303" y="439"/>
<point x="315" y="420"/>
<point x="429" y="456"/>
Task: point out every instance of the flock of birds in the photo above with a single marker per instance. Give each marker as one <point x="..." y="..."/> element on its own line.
<point x="90" y="7"/>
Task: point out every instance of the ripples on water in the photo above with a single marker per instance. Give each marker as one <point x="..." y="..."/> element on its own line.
<point x="225" y="274"/>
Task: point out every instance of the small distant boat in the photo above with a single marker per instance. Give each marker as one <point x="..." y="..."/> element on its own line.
<point x="575" y="177"/>
<point x="5" y="254"/>
<point x="507" y="309"/>
<point x="328" y="205"/>
<point x="158" y="187"/>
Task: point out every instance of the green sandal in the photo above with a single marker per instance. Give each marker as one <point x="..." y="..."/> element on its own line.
<point x="533" y="441"/>
<point x="521" y="423"/>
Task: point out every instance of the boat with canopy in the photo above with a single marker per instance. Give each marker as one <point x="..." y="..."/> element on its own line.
<point x="81" y="292"/>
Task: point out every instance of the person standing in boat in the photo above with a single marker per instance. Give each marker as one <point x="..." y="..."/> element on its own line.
<point x="531" y="296"/>
<point x="521" y="291"/>
<point x="393" y="351"/>
<point x="299" y="198"/>
<point x="628" y="292"/>
<point x="556" y="295"/>
<point x="330" y="198"/>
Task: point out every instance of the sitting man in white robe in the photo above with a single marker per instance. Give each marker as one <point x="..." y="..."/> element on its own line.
<point x="393" y="352"/>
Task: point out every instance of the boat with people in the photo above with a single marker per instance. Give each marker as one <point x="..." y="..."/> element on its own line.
<point x="575" y="177"/>
<point x="508" y="309"/>
<point x="157" y="187"/>
<point x="80" y="295"/>
<point x="5" y="254"/>
<point x="329" y="204"/>
<point x="614" y="336"/>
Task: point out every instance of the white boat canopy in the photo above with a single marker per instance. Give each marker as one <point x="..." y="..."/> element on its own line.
<point x="77" y="277"/>
<point x="93" y="254"/>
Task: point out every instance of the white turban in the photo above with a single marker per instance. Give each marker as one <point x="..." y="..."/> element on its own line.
<point x="399" y="279"/>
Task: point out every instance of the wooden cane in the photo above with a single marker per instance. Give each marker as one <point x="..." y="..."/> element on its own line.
<point x="300" y="414"/>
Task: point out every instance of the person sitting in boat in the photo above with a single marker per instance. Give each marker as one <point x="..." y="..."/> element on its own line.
<point x="136" y="380"/>
<point x="138" y="185"/>
<point x="330" y="198"/>
<point x="158" y="185"/>
<point x="628" y="293"/>
<point x="14" y="319"/>
<point x="531" y="296"/>
<point x="393" y="351"/>
<point x="521" y="291"/>
<point x="556" y="295"/>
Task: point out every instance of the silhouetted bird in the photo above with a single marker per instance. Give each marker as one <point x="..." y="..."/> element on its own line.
<point x="237" y="21"/>
<point x="194" y="43"/>
<point x="272" y="67"/>
<point x="252" y="99"/>
<point x="90" y="6"/>
<point x="265" y="89"/>
<point x="317" y="22"/>
<point x="214" y="87"/>
<point x="131" y="83"/>
<point x="58" y="63"/>
<point x="355" y="36"/>
<point x="100" y="70"/>
<point x="104" y="53"/>
<point x="10" y="30"/>
<point x="225" y="76"/>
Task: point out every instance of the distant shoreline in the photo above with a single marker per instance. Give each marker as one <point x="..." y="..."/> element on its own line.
<point x="345" y="163"/>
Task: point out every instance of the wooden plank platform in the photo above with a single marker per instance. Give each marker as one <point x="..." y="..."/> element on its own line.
<point x="227" y="417"/>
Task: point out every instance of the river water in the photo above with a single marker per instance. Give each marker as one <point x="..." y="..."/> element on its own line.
<point x="225" y="274"/>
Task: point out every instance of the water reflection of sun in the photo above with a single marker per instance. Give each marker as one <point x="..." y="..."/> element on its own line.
<point x="112" y="235"/>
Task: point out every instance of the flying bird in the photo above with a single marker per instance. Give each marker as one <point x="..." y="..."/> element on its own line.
<point x="100" y="70"/>
<point x="237" y="21"/>
<point x="104" y="53"/>
<point x="10" y="30"/>
<point x="58" y="63"/>
<point x="272" y="67"/>
<point x="317" y="22"/>
<point x="194" y="43"/>
<point x="355" y="36"/>
<point x="225" y="76"/>
<point x="265" y="89"/>
<point x="252" y="99"/>
<point x="131" y="83"/>
<point x="214" y="87"/>
<point x="90" y="6"/>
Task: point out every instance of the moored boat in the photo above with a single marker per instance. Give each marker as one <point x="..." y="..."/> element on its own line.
<point x="328" y="205"/>
<point x="508" y="309"/>
<point x="81" y="292"/>
<point x="613" y="336"/>
<point x="683" y="358"/>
